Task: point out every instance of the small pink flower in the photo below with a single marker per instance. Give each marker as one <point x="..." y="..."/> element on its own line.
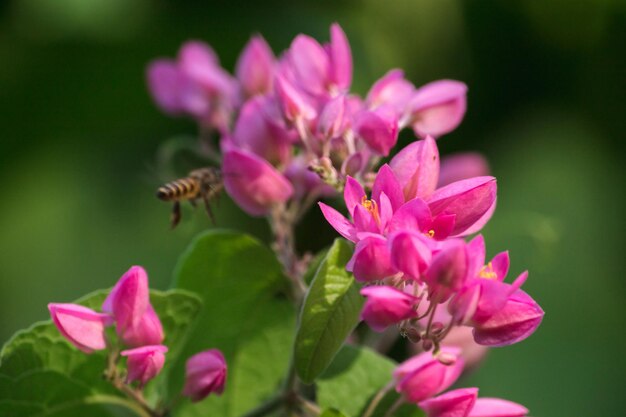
<point x="423" y="376"/>
<point x="393" y="90"/>
<point x="255" y="67"/>
<point x="340" y="59"/>
<point x="417" y="168"/>
<point x="371" y="260"/>
<point x="519" y="318"/>
<point x="205" y="374"/>
<point x="144" y="363"/>
<point x="457" y="403"/>
<point x="447" y="271"/>
<point x="386" y="306"/>
<point x="378" y="128"/>
<point x="253" y="183"/>
<point x="438" y="108"/>
<point x="129" y="303"/>
<point x="410" y="253"/>
<point x="294" y="103"/>
<point x="461" y="166"/>
<point x="81" y="326"/>
<point x="334" y="118"/>
<point x="496" y="407"/>
<point x="310" y="64"/>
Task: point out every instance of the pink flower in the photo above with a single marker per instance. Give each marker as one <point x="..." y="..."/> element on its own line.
<point x="294" y="103"/>
<point x="410" y="253"/>
<point x="386" y="306"/>
<point x="378" y="128"/>
<point x="255" y="67"/>
<point x="334" y="118"/>
<point x="447" y="272"/>
<point x="205" y="373"/>
<point x="392" y="90"/>
<point x="144" y="363"/>
<point x="417" y="168"/>
<point x="457" y="403"/>
<point x="81" y="326"/>
<point x="129" y="303"/>
<point x="423" y="376"/>
<point x="495" y="407"/>
<point x="371" y="260"/>
<point x="461" y="166"/>
<point x="438" y="108"/>
<point x="253" y="183"/>
<point x="519" y="318"/>
<point x="340" y="59"/>
<point x="260" y="129"/>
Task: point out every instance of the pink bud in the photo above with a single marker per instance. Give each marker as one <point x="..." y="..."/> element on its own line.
<point x="129" y="303"/>
<point x="438" y="108"/>
<point x="205" y="373"/>
<point x="258" y="129"/>
<point x="144" y="363"/>
<point x="371" y="260"/>
<point x="393" y="90"/>
<point x="310" y="64"/>
<point x="468" y="199"/>
<point x="378" y="128"/>
<point x="417" y="168"/>
<point x="334" y="118"/>
<point x="304" y="181"/>
<point x="255" y="67"/>
<point x="164" y="82"/>
<point x="457" y="403"/>
<point x="253" y="183"/>
<point x="519" y="318"/>
<point x="410" y="253"/>
<point x="447" y="271"/>
<point x="293" y="103"/>
<point x="461" y="166"/>
<point x="340" y="58"/>
<point x="495" y="407"/>
<point x="423" y="376"/>
<point x="81" y="326"/>
<point x="386" y="306"/>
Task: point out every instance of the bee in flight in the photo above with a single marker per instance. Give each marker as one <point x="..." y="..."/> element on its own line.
<point x="204" y="183"/>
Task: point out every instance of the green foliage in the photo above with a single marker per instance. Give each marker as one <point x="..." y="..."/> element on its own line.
<point x="353" y="379"/>
<point x="41" y="374"/>
<point x="244" y="315"/>
<point x="332" y="413"/>
<point x="329" y="313"/>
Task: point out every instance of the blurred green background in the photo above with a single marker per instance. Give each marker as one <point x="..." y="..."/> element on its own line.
<point x="80" y="137"/>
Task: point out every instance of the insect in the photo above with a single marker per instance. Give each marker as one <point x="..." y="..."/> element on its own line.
<point x="205" y="183"/>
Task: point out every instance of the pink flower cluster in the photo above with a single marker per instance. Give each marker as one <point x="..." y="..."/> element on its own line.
<point x="281" y="118"/>
<point x="138" y="328"/>
<point x="422" y="377"/>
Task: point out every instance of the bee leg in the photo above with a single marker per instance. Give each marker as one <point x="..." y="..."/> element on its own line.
<point x="207" y="205"/>
<point x="175" y="218"/>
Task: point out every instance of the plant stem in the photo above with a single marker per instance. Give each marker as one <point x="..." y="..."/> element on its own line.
<point x="266" y="408"/>
<point x="394" y="407"/>
<point x="377" y="399"/>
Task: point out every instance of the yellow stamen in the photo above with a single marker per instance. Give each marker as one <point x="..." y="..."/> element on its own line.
<point x="487" y="272"/>
<point x="372" y="207"/>
<point x="430" y="233"/>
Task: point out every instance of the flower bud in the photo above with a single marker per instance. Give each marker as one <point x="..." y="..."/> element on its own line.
<point x="378" y="128"/>
<point x="164" y="82"/>
<point x="253" y="183"/>
<point x="461" y="166"/>
<point x="340" y="58"/>
<point x="393" y="90"/>
<point x="519" y="318"/>
<point x="205" y="373"/>
<point x="386" y="306"/>
<point x="310" y="64"/>
<point x="417" y="168"/>
<point x="334" y="118"/>
<point x="423" y="376"/>
<point x="447" y="271"/>
<point x="129" y="303"/>
<point x="410" y="253"/>
<point x="293" y="102"/>
<point x="438" y="108"/>
<point x="496" y="407"/>
<point x="371" y="260"/>
<point x="81" y="326"/>
<point x="255" y="67"/>
<point x="457" y="403"/>
<point x="144" y="363"/>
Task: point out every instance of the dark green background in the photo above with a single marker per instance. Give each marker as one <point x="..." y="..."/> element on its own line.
<point x="79" y="139"/>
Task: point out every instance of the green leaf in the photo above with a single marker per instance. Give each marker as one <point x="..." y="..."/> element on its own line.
<point x="353" y="379"/>
<point x="331" y="412"/>
<point x="330" y="312"/>
<point x="71" y="380"/>
<point x="244" y="315"/>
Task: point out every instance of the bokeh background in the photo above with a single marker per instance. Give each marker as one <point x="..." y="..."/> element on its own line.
<point x="80" y="142"/>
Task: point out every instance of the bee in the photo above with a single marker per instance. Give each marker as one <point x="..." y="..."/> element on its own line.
<point x="204" y="183"/>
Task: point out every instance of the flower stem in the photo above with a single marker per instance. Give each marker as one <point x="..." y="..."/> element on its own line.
<point x="377" y="399"/>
